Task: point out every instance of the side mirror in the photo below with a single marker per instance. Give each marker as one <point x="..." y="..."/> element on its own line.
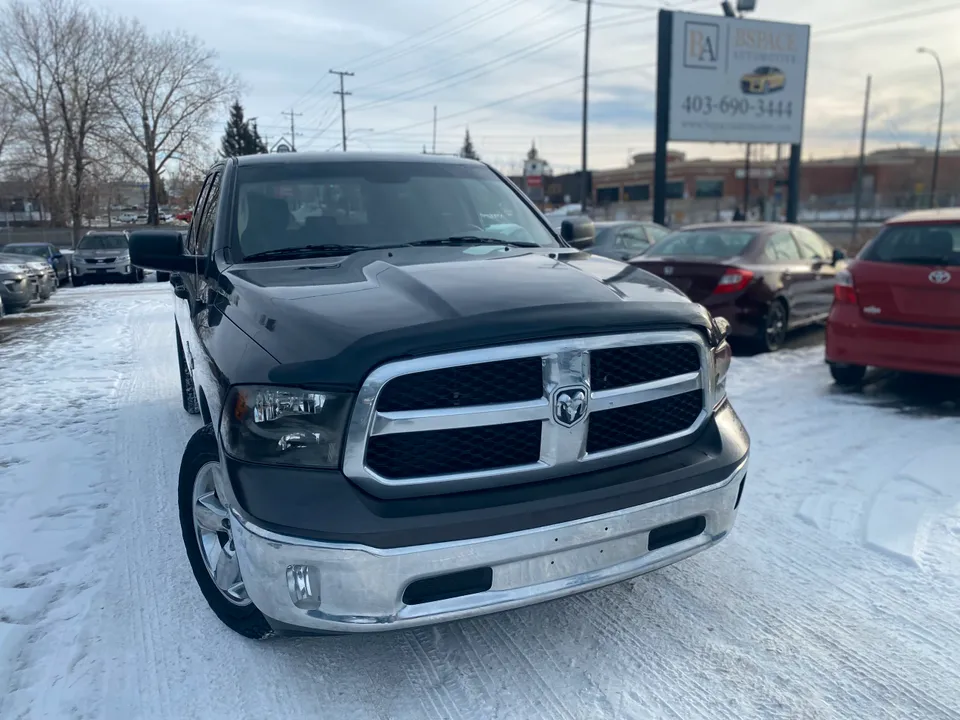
<point x="162" y="250"/>
<point x="838" y="255"/>
<point x="579" y="235"/>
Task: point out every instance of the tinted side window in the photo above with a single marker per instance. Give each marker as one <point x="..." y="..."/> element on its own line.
<point x="781" y="248"/>
<point x="195" y="220"/>
<point x="205" y="229"/>
<point x="812" y="246"/>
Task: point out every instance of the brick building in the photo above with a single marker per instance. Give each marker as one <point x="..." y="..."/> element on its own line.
<point x="701" y="187"/>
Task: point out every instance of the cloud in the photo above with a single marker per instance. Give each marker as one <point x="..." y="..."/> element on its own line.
<point x="468" y="57"/>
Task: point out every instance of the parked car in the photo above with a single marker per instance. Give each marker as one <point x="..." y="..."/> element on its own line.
<point x="104" y="255"/>
<point x="622" y="240"/>
<point x="127" y="218"/>
<point x="764" y="278"/>
<point x="185" y="216"/>
<point x="395" y="407"/>
<point x="18" y="286"/>
<point x="897" y="306"/>
<point x="48" y="252"/>
<point x="45" y="275"/>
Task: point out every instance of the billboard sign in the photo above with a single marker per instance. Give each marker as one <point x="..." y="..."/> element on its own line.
<point x="735" y="80"/>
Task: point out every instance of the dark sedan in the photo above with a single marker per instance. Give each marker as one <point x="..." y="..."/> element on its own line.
<point x="764" y="278"/>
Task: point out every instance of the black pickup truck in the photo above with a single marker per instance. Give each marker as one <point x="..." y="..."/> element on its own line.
<point x="421" y="404"/>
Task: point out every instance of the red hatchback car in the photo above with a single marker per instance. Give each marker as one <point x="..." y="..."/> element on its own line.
<point x="897" y="306"/>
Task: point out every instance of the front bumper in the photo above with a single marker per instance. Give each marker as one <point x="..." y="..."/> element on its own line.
<point x="853" y="340"/>
<point x="357" y="588"/>
<point x="102" y="270"/>
<point x="16" y="292"/>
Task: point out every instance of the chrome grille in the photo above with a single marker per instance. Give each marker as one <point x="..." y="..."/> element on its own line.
<point x="526" y="412"/>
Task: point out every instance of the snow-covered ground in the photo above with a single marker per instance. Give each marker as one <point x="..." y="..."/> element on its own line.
<point x="837" y="595"/>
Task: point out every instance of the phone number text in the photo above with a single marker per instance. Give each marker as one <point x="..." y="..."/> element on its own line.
<point x="733" y="106"/>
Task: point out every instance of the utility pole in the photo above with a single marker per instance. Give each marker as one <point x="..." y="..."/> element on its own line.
<point x="434" y="129"/>
<point x="343" y="106"/>
<point x="583" y="129"/>
<point x="746" y="185"/>
<point x="863" y="150"/>
<point x="293" y="132"/>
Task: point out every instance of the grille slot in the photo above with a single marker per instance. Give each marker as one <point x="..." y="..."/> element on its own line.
<point x="619" y="367"/>
<point x="634" y="424"/>
<point x="502" y="381"/>
<point x="443" y="452"/>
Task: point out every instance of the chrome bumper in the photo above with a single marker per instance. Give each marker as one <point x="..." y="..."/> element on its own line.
<point x="360" y="588"/>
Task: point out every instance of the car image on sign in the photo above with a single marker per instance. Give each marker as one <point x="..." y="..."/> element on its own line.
<point x="763" y="80"/>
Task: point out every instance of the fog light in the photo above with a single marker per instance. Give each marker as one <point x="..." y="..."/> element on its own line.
<point x="303" y="582"/>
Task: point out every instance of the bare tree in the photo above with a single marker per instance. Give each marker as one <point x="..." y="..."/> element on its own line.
<point x="9" y="118"/>
<point x="166" y="103"/>
<point x="25" y="46"/>
<point x="90" y="52"/>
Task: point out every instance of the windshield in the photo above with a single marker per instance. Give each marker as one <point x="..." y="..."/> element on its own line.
<point x="38" y="250"/>
<point x="103" y="242"/>
<point x="372" y="204"/>
<point x="916" y="245"/>
<point x="717" y="243"/>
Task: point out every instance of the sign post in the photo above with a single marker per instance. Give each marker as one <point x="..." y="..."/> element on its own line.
<point x="729" y="80"/>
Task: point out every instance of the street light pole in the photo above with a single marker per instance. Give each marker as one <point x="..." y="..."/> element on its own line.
<point x="583" y="127"/>
<point x="936" y="152"/>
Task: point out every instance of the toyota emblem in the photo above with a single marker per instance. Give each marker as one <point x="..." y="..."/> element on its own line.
<point x="668" y="270"/>
<point x="940" y="277"/>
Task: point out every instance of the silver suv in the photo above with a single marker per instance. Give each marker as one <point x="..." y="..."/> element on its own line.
<point x="102" y="256"/>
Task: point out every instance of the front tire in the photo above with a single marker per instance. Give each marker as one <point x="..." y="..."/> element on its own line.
<point x="773" y="330"/>
<point x="847" y="375"/>
<point x="163" y="277"/>
<point x="208" y="540"/>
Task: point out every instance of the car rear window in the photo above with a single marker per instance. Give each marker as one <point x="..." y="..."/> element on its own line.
<point x="916" y="245"/>
<point x="704" y="243"/>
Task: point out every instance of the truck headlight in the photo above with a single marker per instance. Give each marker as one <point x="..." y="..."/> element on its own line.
<point x="284" y="426"/>
<point x="720" y="365"/>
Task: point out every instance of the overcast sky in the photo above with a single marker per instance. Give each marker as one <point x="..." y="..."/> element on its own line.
<point x="509" y="69"/>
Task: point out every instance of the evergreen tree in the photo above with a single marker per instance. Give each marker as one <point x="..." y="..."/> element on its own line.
<point x="238" y="137"/>
<point x="467" y="151"/>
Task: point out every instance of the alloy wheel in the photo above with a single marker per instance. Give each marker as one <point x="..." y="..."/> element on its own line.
<point x="211" y="523"/>
<point x="776" y="329"/>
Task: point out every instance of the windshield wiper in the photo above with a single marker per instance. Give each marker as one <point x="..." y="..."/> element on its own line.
<point x="470" y="240"/>
<point x="309" y="251"/>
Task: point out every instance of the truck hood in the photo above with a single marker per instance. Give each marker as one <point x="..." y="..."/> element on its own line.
<point x="331" y="321"/>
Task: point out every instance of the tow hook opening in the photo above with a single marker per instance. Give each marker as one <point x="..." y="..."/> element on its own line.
<point x="676" y="532"/>
<point x="450" y="585"/>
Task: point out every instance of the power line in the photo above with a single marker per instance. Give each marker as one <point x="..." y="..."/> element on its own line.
<point x="525" y="93"/>
<point x="468" y="51"/>
<point x="343" y="107"/>
<point x="864" y="24"/>
<point x="459" y="78"/>
<point x="358" y="61"/>
<point x="407" y="49"/>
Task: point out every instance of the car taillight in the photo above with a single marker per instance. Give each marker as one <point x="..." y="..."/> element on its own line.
<point x="844" y="293"/>
<point x="733" y="280"/>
